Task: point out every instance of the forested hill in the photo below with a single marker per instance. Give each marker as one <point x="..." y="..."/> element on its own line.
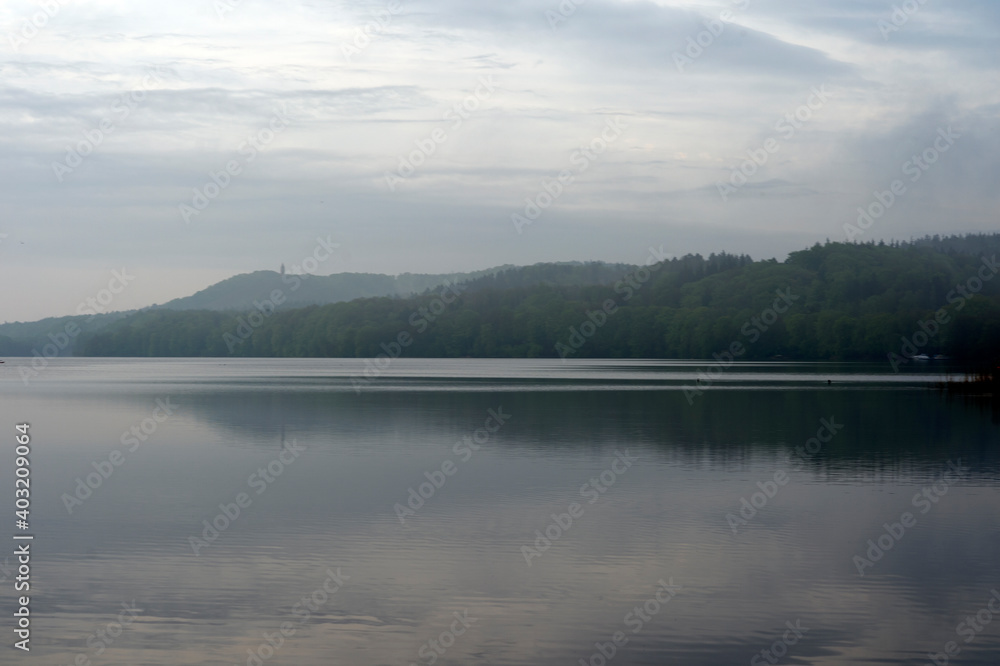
<point x="240" y="291"/>
<point x="832" y="301"/>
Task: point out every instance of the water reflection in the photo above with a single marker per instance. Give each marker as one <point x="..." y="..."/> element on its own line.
<point x="461" y="550"/>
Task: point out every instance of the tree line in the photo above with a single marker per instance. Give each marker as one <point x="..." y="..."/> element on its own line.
<point x="841" y="302"/>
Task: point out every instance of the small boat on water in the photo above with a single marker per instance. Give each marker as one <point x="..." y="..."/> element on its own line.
<point x="921" y="357"/>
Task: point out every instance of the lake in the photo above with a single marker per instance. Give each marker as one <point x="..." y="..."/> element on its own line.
<point x="297" y="511"/>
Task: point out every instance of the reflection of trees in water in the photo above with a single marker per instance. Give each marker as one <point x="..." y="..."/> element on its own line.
<point x="887" y="432"/>
<point x="981" y="398"/>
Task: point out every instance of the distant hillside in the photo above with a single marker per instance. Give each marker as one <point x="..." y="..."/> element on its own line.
<point x="832" y="301"/>
<point x="568" y="274"/>
<point x="240" y="292"/>
<point x="235" y="294"/>
<point x="21" y="338"/>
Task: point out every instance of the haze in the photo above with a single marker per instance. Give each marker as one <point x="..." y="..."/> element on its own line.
<point x="160" y="98"/>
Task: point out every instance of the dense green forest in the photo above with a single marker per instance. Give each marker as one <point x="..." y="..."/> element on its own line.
<point x="24" y="338"/>
<point x="832" y="301"/>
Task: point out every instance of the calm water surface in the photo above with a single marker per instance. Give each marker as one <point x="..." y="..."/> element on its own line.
<point x="345" y="454"/>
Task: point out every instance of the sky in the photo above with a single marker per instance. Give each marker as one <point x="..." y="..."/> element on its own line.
<point x="153" y="149"/>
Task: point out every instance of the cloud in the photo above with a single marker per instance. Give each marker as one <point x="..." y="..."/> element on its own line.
<point x="221" y="79"/>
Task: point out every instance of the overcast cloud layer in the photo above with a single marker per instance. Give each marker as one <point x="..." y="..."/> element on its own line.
<point x="170" y="94"/>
